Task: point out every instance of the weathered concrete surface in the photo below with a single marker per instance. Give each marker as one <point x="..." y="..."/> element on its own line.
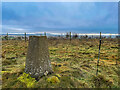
<point x="37" y="60"/>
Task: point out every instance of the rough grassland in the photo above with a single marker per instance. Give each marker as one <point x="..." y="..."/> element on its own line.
<point x="73" y="63"/>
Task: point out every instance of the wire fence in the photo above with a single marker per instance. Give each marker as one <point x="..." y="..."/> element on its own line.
<point x="25" y="36"/>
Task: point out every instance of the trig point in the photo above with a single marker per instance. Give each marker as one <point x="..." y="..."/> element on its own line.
<point x="37" y="60"/>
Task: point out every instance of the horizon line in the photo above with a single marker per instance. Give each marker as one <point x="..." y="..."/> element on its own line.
<point x="66" y="33"/>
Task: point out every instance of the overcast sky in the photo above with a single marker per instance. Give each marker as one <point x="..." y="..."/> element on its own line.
<point x="60" y="17"/>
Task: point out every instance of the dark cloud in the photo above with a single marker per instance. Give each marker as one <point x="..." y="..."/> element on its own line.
<point x="61" y="17"/>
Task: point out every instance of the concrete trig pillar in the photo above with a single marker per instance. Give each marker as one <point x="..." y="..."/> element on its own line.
<point x="37" y="60"/>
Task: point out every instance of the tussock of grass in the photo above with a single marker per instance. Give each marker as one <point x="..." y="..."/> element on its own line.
<point x="102" y="81"/>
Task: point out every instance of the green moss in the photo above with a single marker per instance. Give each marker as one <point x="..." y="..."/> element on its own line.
<point x="53" y="79"/>
<point x="29" y="81"/>
<point x="58" y="75"/>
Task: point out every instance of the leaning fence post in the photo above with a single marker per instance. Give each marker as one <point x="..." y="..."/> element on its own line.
<point x="25" y="36"/>
<point x="98" y="54"/>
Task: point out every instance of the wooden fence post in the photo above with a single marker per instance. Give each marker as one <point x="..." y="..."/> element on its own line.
<point x="44" y="33"/>
<point x="70" y="36"/>
<point x="25" y="36"/>
<point x="7" y="36"/>
<point x="98" y="54"/>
